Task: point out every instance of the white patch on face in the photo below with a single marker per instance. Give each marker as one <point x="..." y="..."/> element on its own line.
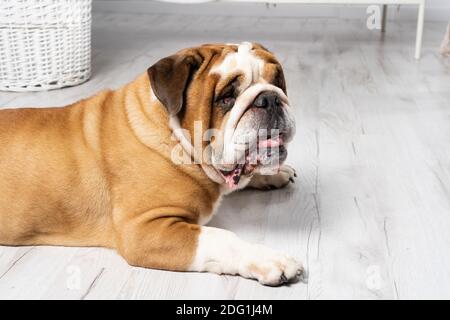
<point x="243" y="61"/>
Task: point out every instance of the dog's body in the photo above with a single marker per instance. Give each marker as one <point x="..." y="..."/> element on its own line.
<point x="100" y="172"/>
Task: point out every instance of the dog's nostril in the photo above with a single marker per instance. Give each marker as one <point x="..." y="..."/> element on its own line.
<point x="277" y="101"/>
<point x="267" y="99"/>
<point x="261" y="102"/>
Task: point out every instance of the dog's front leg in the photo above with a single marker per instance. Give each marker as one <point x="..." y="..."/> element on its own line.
<point x="171" y="243"/>
<point x="281" y="179"/>
<point x="223" y="252"/>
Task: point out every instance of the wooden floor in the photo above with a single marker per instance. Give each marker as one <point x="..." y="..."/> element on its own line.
<point x="370" y="213"/>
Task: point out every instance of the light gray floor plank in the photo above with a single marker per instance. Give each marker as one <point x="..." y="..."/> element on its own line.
<point x="370" y="213"/>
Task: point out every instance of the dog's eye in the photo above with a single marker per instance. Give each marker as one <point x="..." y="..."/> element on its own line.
<point x="227" y="97"/>
<point x="227" y="101"/>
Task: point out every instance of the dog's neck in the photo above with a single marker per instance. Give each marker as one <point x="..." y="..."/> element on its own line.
<point x="145" y="112"/>
<point x="211" y="172"/>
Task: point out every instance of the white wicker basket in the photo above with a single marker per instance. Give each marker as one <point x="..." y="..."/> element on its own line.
<point x="44" y="44"/>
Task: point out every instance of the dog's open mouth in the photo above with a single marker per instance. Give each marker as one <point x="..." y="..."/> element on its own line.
<point x="268" y="151"/>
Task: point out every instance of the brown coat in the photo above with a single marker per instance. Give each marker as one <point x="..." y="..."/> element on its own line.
<point x="98" y="172"/>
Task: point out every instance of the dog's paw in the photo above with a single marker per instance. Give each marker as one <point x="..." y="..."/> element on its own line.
<point x="279" y="180"/>
<point x="271" y="268"/>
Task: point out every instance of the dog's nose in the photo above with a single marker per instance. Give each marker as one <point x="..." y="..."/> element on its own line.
<point x="267" y="99"/>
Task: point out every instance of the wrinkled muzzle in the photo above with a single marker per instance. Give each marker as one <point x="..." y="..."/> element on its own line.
<point x="255" y="135"/>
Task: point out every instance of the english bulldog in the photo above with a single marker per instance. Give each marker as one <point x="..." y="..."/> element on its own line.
<point x="121" y="169"/>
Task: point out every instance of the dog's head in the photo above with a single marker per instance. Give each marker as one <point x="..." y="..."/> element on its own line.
<point x="236" y="96"/>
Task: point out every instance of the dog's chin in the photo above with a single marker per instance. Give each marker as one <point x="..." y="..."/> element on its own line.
<point x="265" y="161"/>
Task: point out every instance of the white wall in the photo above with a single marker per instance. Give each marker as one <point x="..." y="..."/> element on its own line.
<point x="438" y="3"/>
<point x="435" y="9"/>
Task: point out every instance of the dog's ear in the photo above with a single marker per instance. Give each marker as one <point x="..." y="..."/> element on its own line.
<point x="170" y="78"/>
<point x="258" y="45"/>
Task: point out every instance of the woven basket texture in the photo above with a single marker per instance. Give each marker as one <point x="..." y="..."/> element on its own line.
<point x="44" y="44"/>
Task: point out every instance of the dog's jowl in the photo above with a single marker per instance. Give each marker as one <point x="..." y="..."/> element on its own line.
<point x="102" y="171"/>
